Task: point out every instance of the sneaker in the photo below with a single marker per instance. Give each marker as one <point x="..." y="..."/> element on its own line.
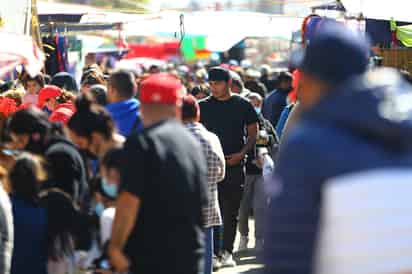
<point x="216" y="263"/>
<point x="227" y="260"/>
<point x="244" y="240"/>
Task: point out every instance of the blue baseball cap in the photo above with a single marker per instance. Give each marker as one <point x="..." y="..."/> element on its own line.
<point x="334" y="54"/>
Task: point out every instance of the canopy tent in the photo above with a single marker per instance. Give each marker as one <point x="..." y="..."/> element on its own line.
<point x="400" y="10"/>
<point x="15" y="16"/>
<point x="221" y="29"/>
<point x="59" y="8"/>
<point x="19" y="50"/>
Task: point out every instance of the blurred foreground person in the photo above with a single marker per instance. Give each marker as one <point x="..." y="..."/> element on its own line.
<point x="347" y="207"/>
<point x="158" y="227"/>
<point x="6" y="227"/>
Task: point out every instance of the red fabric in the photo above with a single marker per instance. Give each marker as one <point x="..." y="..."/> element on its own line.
<point x="68" y="105"/>
<point x="49" y="91"/>
<point x="7" y="106"/>
<point x="161" y="88"/>
<point x="62" y="114"/>
<point x="162" y="51"/>
<point x="295" y="82"/>
<point x="25" y="106"/>
<point x="304" y="25"/>
<point x="225" y="66"/>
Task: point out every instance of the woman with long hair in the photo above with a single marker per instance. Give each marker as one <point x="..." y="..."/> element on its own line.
<point x="29" y="218"/>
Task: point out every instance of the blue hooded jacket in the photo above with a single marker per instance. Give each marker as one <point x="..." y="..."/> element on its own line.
<point x="356" y="142"/>
<point x="126" y="116"/>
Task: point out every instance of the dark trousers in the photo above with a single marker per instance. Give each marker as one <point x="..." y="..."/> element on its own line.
<point x="230" y="195"/>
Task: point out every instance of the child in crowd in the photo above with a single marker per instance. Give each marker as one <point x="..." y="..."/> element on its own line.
<point x="33" y="85"/>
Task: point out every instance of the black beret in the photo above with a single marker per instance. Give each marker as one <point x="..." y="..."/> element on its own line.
<point x="219" y="74"/>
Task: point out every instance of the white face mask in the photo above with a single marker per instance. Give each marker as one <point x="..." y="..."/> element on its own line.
<point x="258" y="110"/>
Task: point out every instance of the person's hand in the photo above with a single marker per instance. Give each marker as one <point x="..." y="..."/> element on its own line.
<point x="234" y="159"/>
<point x="119" y="261"/>
<point x="260" y="161"/>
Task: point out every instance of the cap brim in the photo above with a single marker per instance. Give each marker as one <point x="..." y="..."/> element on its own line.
<point x="297" y="58"/>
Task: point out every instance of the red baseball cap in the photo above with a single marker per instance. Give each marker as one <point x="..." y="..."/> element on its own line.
<point x="48" y="92"/>
<point x="61" y="114"/>
<point x="161" y="88"/>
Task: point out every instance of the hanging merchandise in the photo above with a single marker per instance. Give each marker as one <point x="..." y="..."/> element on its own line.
<point x="50" y="50"/>
<point x="62" y="46"/>
<point x="55" y="48"/>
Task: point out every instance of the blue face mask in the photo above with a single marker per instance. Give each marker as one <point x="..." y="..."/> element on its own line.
<point x="109" y="189"/>
<point x="47" y="110"/>
<point x="99" y="209"/>
<point x="258" y="110"/>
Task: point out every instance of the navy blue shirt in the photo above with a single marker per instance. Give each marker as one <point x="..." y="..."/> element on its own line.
<point x="274" y="104"/>
<point x="30" y="238"/>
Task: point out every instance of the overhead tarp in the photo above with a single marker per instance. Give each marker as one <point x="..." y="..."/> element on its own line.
<point x="59" y="8"/>
<point x="19" y="50"/>
<point x="222" y="29"/>
<point x="68" y="18"/>
<point x="69" y="28"/>
<point x="400" y="10"/>
<point x="162" y="51"/>
<point x="16" y="16"/>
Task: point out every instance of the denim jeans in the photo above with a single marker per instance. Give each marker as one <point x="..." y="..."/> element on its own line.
<point x="209" y="250"/>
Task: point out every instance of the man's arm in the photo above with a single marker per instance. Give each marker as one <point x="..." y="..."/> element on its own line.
<point x="236" y="158"/>
<point x="127" y="209"/>
<point x="252" y="131"/>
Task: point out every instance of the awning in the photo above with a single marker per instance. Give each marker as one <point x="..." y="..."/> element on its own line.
<point x="70" y="28"/>
<point x="19" y="50"/>
<point x="400" y="10"/>
<point x="221" y="29"/>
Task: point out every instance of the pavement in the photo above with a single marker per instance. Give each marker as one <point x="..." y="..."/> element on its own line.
<point x="247" y="261"/>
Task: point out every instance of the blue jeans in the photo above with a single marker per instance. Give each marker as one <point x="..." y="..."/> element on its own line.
<point x="209" y="250"/>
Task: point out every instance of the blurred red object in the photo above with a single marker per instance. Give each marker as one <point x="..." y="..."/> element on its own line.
<point x="7" y="106"/>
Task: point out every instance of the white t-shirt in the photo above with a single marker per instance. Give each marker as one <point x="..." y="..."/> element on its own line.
<point x="106" y="222"/>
